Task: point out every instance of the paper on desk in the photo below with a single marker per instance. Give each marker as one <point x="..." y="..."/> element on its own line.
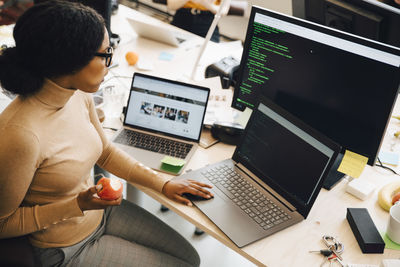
<point x="165" y="56"/>
<point x="352" y="164"/>
<point x="244" y="117"/>
<point x="144" y="64"/>
<point x="387" y="157"/>
<point x="218" y="51"/>
<point x="219" y="102"/>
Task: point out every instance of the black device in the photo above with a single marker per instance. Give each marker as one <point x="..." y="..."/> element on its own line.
<point x="226" y="69"/>
<point x="342" y="85"/>
<point x="364" y="229"/>
<point x="278" y="167"/>
<point x="227" y="132"/>
<point x="368" y="18"/>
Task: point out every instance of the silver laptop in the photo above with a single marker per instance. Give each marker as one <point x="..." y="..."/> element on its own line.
<point x="272" y="180"/>
<point x="158" y="33"/>
<point x="162" y="118"/>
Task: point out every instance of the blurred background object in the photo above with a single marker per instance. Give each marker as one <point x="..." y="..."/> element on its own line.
<point x="10" y="10"/>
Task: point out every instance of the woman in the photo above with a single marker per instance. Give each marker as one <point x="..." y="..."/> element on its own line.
<point x="196" y="16"/>
<point x="51" y="138"/>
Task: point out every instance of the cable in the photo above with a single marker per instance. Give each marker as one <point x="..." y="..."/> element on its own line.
<point x="118" y="76"/>
<point x="110" y="128"/>
<point x="385" y="167"/>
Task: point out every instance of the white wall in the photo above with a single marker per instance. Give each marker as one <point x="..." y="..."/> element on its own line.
<point x="236" y="27"/>
<point x="284" y="6"/>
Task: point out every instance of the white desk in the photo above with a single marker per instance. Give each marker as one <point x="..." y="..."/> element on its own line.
<point x="182" y="62"/>
<point x="291" y="246"/>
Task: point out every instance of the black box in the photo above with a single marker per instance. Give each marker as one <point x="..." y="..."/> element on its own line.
<point x="364" y="229"/>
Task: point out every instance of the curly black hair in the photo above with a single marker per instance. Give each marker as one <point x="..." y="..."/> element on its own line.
<point x="52" y="38"/>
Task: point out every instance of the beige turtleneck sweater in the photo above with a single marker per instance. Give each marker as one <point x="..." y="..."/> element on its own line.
<point x="49" y="143"/>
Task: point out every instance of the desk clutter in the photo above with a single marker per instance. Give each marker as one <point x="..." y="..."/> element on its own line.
<point x="227" y="132"/>
<point x="332" y="252"/>
<point x="387" y="194"/>
<point x="223" y="126"/>
<point x="360" y="188"/>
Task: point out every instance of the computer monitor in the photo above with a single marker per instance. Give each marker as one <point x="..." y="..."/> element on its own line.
<point x="373" y="19"/>
<point x="342" y="85"/>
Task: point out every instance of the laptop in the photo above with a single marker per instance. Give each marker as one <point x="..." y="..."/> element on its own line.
<point x="272" y="179"/>
<point x="162" y="118"/>
<point x="158" y="33"/>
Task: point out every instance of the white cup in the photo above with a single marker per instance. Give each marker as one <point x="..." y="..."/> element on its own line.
<point x="393" y="228"/>
<point x="113" y="101"/>
<point x="99" y="103"/>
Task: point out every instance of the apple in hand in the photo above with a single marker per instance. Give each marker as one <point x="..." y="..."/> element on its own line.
<point x="109" y="188"/>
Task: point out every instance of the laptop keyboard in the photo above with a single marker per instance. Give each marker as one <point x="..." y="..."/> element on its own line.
<point x="154" y="143"/>
<point x="257" y="206"/>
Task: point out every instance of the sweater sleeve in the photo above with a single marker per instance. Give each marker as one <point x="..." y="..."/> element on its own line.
<point x="121" y="164"/>
<point x="19" y="159"/>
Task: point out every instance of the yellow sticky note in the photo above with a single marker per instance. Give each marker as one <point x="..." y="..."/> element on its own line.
<point x="173" y="161"/>
<point x="352" y="164"/>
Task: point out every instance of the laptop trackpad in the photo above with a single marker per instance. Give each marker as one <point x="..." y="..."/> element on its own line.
<point x="227" y="217"/>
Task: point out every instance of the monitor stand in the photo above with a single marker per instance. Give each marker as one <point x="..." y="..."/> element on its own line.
<point x="334" y="176"/>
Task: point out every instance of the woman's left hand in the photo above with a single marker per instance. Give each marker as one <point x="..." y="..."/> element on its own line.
<point x="174" y="189"/>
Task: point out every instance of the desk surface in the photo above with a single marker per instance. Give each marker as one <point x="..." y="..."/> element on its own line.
<point x="291" y="246"/>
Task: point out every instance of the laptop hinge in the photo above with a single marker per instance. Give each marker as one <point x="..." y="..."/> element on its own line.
<point x="262" y="184"/>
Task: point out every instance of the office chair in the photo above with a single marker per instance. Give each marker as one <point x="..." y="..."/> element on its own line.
<point x="16" y="252"/>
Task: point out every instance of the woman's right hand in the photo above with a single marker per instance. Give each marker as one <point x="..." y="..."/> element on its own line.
<point x="87" y="200"/>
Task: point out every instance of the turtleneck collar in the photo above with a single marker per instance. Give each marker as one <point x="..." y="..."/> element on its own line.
<point x="54" y="95"/>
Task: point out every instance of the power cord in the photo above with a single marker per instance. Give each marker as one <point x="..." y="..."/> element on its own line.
<point x="385" y="167"/>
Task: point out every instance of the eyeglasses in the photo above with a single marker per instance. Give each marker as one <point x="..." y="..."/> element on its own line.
<point x="107" y="55"/>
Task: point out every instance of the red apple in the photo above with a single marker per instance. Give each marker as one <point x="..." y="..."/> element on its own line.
<point x="111" y="188"/>
<point x="395" y="198"/>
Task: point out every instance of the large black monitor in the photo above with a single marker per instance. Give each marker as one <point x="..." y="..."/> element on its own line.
<point x="373" y="19"/>
<point x="342" y="85"/>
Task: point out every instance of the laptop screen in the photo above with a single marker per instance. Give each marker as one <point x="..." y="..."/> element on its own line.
<point x="166" y="106"/>
<point x="284" y="155"/>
